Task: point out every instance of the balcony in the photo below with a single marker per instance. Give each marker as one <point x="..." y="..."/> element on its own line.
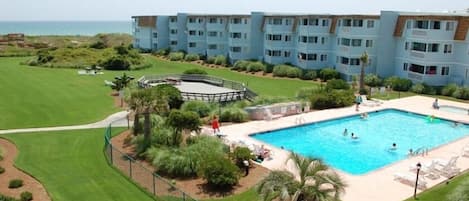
<point x="415" y="76"/>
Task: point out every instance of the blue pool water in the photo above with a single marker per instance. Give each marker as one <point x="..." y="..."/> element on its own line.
<point x="376" y="135"/>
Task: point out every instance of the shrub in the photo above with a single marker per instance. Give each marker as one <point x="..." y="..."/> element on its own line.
<point x="269" y="68"/>
<point x="220" y="173"/>
<point x="399" y="84"/>
<point x="2" y="170"/>
<point x="192" y="57"/>
<point x="199" y="107"/>
<point x="255" y="67"/>
<point x="293" y="72"/>
<point x="306" y="93"/>
<point x="337" y="84"/>
<point x="26" y="196"/>
<point x="449" y="89"/>
<point x="176" y="56"/>
<point x="162" y="52"/>
<point x="221" y="60"/>
<point x="418" y="88"/>
<point x="332" y="99"/>
<point x="98" y="45"/>
<point x="211" y="60"/>
<point x="195" y="71"/>
<point x="15" y="183"/>
<point x="309" y="75"/>
<point x="240" y="154"/>
<point x="116" y="63"/>
<point x="44" y="56"/>
<point x="461" y="93"/>
<point x="233" y="114"/>
<point x="286" y="71"/>
<point x="240" y="65"/>
<point x="328" y="73"/>
<point x="172" y="94"/>
<point x="373" y="80"/>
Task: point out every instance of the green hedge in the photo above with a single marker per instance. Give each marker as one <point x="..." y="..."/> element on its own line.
<point x="332" y="99"/>
<point x="195" y="71"/>
<point x="176" y="56"/>
<point x="328" y="73"/>
<point x="192" y="57"/>
<point x="240" y="65"/>
<point x="255" y="67"/>
<point x="286" y="71"/>
<point x="201" y="108"/>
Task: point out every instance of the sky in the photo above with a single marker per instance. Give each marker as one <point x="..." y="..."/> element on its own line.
<point x="99" y="10"/>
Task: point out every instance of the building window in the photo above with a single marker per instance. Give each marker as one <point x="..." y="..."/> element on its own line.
<point x="405" y="67"/>
<point x="287" y="54"/>
<point x="347" y="22"/>
<point x="344" y="60"/>
<point x="408" y="24"/>
<point x="358" y="23"/>
<point x="221" y="21"/>
<point x="235" y="49"/>
<point x="173" y="19"/>
<point x="323" y="40"/>
<point x="287" y="21"/>
<point x="421" y="47"/>
<point x="370" y="23"/>
<point x="433" y="47"/>
<point x="287" y="37"/>
<point x="345" y="41"/>
<point x="406" y="46"/>
<point x="192" y="44"/>
<point x="201" y="20"/>
<point x="355" y="62"/>
<point x="212" y="34"/>
<point x="276" y="53"/>
<point x="191" y="20"/>
<point x="325" y="22"/>
<point x="445" y="70"/>
<point x="448" y="49"/>
<point x="221" y="34"/>
<point x="430" y="70"/>
<point x="212" y="46"/>
<point x="323" y="57"/>
<point x="416" y="68"/>
<point x="369" y="43"/>
<point x="173" y="31"/>
<point x="201" y="33"/>
<point x="192" y="32"/>
<point x="212" y="20"/>
<point x="245" y="21"/>
<point x="356" y="42"/>
<point x="275" y="37"/>
<point x="314" y="22"/>
<point x="235" y="35"/>
<point x="236" y="21"/>
<point x="173" y="42"/>
<point x="421" y="24"/>
<point x="435" y="24"/>
<point x="449" y="26"/>
<point x="311" y="57"/>
<point x="155" y="35"/>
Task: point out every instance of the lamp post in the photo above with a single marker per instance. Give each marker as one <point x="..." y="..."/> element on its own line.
<point x="417" y="180"/>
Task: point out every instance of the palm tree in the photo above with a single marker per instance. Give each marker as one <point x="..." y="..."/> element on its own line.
<point x="364" y="61"/>
<point x="121" y="82"/>
<point x="317" y="182"/>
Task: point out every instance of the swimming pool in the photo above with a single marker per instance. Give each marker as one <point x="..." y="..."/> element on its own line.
<point x="452" y="109"/>
<point x="376" y="135"/>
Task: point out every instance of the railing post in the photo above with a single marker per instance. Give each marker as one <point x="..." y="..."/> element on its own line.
<point x="130" y="166"/>
<point x="154" y="189"/>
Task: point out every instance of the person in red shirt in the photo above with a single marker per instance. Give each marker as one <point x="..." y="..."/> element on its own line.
<point x="215" y="125"/>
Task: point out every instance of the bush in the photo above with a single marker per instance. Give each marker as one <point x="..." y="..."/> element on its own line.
<point x="306" y="93"/>
<point x="399" y="84"/>
<point x="199" y="107"/>
<point x="286" y="71"/>
<point x="363" y="91"/>
<point x="293" y="72"/>
<point x="240" y="65"/>
<point x="44" y="56"/>
<point x="422" y="88"/>
<point x="267" y="100"/>
<point x="255" y="67"/>
<point x="309" y="75"/>
<point x="195" y="71"/>
<point x="211" y="60"/>
<point x="461" y="93"/>
<point x="449" y="89"/>
<point x="269" y="68"/>
<point x="332" y="99"/>
<point x="192" y="57"/>
<point x="15" y="183"/>
<point x="116" y="63"/>
<point x="328" y="73"/>
<point x="162" y="52"/>
<point x="2" y="170"/>
<point x="98" y="45"/>
<point x="176" y="56"/>
<point x="233" y="115"/>
<point x="373" y="80"/>
<point x="172" y="94"/>
<point x="240" y="154"/>
<point x="220" y="60"/>
<point x="337" y="84"/>
<point x="6" y="198"/>
<point x="220" y="173"/>
<point x="26" y="196"/>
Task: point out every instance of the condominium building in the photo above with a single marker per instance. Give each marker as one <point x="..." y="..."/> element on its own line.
<point x="424" y="47"/>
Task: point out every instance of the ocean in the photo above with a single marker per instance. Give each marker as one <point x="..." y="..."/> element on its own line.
<point x="86" y="28"/>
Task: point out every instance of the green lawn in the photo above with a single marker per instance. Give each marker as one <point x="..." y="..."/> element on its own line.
<point x="71" y="165"/>
<point x="441" y="191"/>
<point x="39" y="97"/>
<point x="249" y="195"/>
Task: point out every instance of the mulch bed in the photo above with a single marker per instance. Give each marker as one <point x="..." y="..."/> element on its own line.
<point x="11" y="172"/>
<point x="195" y="187"/>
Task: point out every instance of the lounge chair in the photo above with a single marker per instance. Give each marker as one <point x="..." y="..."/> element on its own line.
<point x="465" y="151"/>
<point x="369" y="103"/>
<point x="427" y="169"/>
<point x="442" y="162"/>
<point x="409" y="179"/>
<point x="82" y="72"/>
<point x="269" y="116"/>
<point x="108" y="83"/>
<point x="382" y="90"/>
<point x="447" y="168"/>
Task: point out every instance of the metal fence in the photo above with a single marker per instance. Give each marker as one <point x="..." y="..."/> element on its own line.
<point x="141" y="174"/>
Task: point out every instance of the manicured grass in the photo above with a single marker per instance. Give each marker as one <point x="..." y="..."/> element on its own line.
<point x="395" y="94"/>
<point x="249" y="195"/>
<point x="71" y="165"/>
<point x="441" y="191"/>
<point x="38" y="97"/>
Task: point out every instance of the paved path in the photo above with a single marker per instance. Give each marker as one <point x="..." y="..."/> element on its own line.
<point x="118" y="119"/>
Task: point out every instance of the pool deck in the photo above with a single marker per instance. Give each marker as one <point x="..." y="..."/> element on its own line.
<point x="378" y="184"/>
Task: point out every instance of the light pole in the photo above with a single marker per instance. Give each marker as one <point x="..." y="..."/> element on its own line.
<point x="417" y="180"/>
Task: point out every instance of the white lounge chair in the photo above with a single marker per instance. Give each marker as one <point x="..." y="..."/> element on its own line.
<point x="269" y="116"/>
<point x="465" y="151"/>
<point x="447" y="168"/>
<point x="409" y="179"/>
<point x="370" y="103"/>
<point x="427" y="169"/>
<point x="382" y="90"/>
<point x="442" y="162"/>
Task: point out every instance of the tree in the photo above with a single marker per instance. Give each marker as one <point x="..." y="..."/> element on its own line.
<point x="181" y="120"/>
<point x="317" y="182"/>
<point x="121" y="82"/>
<point x="364" y="61"/>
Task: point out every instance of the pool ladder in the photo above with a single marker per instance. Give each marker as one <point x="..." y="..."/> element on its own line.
<point x="423" y="151"/>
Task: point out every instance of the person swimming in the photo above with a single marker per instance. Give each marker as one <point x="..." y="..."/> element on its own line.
<point x="393" y="147"/>
<point x="364" y="115"/>
<point x="353" y="136"/>
<point x="345" y="133"/>
<point x="411" y="152"/>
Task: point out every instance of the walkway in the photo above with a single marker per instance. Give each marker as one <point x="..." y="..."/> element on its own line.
<point x="118" y="119"/>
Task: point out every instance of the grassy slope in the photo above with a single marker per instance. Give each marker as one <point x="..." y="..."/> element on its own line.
<point x="35" y="97"/>
<point x="441" y="191"/>
<point x="71" y="165"/>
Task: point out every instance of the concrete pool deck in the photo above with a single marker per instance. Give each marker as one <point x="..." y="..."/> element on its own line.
<point x="378" y="184"/>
